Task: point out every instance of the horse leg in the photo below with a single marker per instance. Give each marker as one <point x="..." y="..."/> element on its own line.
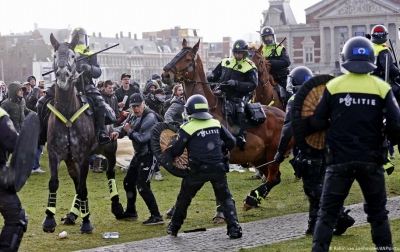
<point x="256" y="196"/>
<point x="86" y="226"/>
<point x="49" y="224"/>
<point x="116" y="206"/>
<point x="69" y="218"/>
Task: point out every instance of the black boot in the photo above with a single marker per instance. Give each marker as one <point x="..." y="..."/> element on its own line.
<point x="102" y="136"/>
<point x="311" y="227"/>
<point x="343" y="222"/>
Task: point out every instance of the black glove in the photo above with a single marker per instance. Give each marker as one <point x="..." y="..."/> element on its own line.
<point x="368" y="36"/>
<point x="232" y="83"/>
<point x="210" y="77"/>
<point x="279" y="158"/>
<point x="85" y="67"/>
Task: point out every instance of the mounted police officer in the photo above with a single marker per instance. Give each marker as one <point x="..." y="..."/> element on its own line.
<point x="353" y="107"/>
<point x="238" y="77"/>
<point x="311" y="166"/>
<point x="205" y="164"/>
<point x="90" y="69"/>
<point x="15" y="218"/>
<point x="379" y="37"/>
<point x="278" y="58"/>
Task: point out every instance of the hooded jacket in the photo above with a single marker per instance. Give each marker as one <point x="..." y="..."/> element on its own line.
<point x="15" y="106"/>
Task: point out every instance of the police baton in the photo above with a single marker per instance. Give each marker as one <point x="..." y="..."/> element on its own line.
<point x="387" y="67"/>
<point x="394" y="53"/>
<point x="108" y="48"/>
<point x="270" y="162"/>
<point x="276" y="47"/>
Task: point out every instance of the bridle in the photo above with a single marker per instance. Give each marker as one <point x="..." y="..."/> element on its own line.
<point x="186" y="74"/>
<point x="63" y="59"/>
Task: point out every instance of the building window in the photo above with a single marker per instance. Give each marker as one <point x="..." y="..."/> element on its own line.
<point x="309" y="54"/>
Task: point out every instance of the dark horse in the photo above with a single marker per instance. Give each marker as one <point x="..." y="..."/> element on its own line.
<point x="71" y="137"/>
<point x="262" y="141"/>
<point x="266" y="92"/>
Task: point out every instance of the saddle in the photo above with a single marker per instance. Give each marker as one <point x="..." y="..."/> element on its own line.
<point x="254" y="112"/>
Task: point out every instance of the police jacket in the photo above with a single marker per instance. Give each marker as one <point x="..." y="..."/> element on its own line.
<point x="15" y="106"/>
<point x="243" y="71"/>
<point x="8" y="136"/>
<point x="279" y="60"/>
<point x="355" y="106"/>
<point x="380" y="51"/>
<point x="95" y="71"/>
<point x="202" y="138"/>
<point x="141" y="131"/>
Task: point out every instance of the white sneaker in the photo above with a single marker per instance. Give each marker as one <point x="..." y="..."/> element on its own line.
<point x="38" y="170"/>
<point x="158" y="176"/>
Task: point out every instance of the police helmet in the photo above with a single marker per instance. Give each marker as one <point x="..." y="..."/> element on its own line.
<point x="267" y="30"/>
<point x="297" y="77"/>
<point x="379" y="34"/>
<point x="197" y="107"/>
<point x="83" y="36"/>
<point x="240" y="46"/>
<point x="358" y="55"/>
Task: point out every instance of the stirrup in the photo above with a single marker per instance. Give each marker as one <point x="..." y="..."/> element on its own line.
<point x="103" y="138"/>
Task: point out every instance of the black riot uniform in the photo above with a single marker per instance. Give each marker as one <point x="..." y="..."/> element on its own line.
<point x="379" y="37"/>
<point x="355" y="106"/>
<point x="238" y="78"/>
<point x="278" y="58"/>
<point x="15" y="218"/>
<point x="311" y="167"/>
<point x="203" y="137"/>
<point x="91" y="70"/>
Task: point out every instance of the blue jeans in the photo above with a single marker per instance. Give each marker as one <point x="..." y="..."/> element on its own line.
<point x="36" y="164"/>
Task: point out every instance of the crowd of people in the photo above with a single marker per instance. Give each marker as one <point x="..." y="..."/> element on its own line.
<point x="326" y="178"/>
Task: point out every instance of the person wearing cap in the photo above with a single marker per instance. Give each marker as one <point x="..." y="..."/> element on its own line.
<point x="135" y="84"/>
<point x="125" y="90"/>
<point x="15" y="106"/>
<point x="138" y="128"/>
<point x="156" y="101"/>
<point x="89" y="69"/>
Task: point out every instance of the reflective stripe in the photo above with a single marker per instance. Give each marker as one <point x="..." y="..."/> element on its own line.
<point x="358" y="83"/>
<point x="240" y="66"/>
<point x="378" y="48"/>
<point x="201" y="106"/>
<point x="3" y="112"/>
<point x="195" y="124"/>
<point x="267" y="50"/>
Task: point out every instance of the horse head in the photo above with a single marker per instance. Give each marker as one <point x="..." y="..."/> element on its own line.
<point x="182" y="66"/>
<point x="263" y="66"/>
<point x="64" y="64"/>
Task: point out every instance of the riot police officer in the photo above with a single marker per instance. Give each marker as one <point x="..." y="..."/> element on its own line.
<point x="353" y="107"/>
<point x="238" y="77"/>
<point x="205" y="164"/>
<point x="15" y="218"/>
<point x="278" y="58"/>
<point x="378" y="38"/>
<point x="91" y="70"/>
<point x="310" y="166"/>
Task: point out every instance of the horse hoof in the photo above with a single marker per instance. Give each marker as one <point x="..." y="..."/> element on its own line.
<point x="69" y="219"/>
<point x="49" y="224"/>
<point x="247" y="207"/>
<point x="117" y="209"/>
<point x="219" y="218"/>
<point x="86" y="227"/>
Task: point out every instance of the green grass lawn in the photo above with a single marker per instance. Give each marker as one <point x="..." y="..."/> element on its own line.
<point x="286" y="198"/>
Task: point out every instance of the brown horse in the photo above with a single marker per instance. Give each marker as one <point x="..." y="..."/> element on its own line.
<point x="71" y="137"/>
<point x="262" y="141"/>
<point x="266" y="92"/>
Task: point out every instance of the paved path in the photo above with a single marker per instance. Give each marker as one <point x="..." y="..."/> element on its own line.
<point x="255" y="234"/>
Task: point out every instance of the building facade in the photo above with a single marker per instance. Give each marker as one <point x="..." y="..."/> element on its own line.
<point x="318" y="43"/>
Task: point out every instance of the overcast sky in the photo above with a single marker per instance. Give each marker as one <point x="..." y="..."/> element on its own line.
<point x="214" y="18"/>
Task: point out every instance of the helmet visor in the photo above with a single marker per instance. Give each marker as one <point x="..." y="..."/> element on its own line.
<point x="83" y="39"/>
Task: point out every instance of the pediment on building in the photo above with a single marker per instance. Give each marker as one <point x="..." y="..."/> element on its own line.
<point x="344" y="8"/>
